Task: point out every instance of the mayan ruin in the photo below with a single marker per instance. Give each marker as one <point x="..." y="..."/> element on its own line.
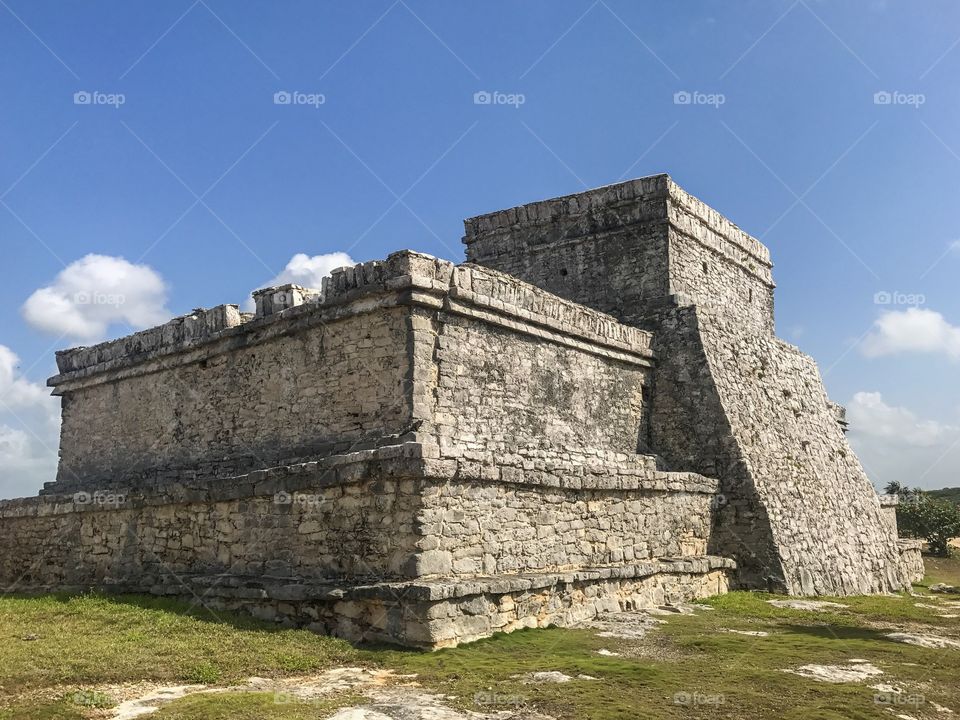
<point x="591" y="414"/>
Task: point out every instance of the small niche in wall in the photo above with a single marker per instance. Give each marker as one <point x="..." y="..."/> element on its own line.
<point x="563" y="272"/>
<point x="704" y="268"/>
<point x="750" y="295"/>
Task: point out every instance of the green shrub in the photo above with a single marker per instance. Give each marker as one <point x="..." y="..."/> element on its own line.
<point x="923" y="517"/>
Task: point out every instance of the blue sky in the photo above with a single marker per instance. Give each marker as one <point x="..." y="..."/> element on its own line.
<point x="184" y="166"/>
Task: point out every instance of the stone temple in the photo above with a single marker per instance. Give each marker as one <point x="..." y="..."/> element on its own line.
<point x="591" y="414"/>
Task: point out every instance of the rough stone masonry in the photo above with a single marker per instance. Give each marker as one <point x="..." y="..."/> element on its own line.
<point x="592" y="414"/>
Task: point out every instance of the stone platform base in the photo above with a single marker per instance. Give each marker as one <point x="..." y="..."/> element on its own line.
<point x="445" y="612"/>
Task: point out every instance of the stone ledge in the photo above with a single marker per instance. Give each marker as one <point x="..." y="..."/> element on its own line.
<point x="416" y="461"/>
<point x="418" y="590"/>
<point x="445" y="612"/>
<point x="422" y="590"/>
<point x="909" y="544"/>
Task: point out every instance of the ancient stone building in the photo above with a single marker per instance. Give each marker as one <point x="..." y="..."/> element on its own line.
<point x="593" y="413"/>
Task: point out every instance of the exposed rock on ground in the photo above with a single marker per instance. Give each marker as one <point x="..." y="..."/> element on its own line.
<point x="814" y="605"/>
<point x="852" y="672"/>
<point x="628" y="625"/>
<point x="388" y="697"/>
<point x="928" y="641"/>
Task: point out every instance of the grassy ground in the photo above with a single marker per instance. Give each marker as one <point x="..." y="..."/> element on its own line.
<point x="57" y="656"/>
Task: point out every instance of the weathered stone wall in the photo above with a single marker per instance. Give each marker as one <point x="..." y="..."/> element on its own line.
<point x="436" y="614"/>
<point x="825" y="516"/>
<point x="501" y="392"/>
<point x="468" y="611"/>
<point x="293" y="390"/>
<point x="483" y="362"/>
<point x="606" y="249"/>
<point x="309" y="521"/>
<point x="690" y="430"/>
<point x="888" y="510"/>
<point x="911" y="558"/>
<point x="497" y="528"/>
<point x="623" y="247"/>
<point x="911" y="551"/>
<point x="392" y="544"/>
<point x="393" y="512"/>
<point x="728" y="399"/>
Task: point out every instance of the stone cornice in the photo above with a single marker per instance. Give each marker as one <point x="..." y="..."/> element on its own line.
<point x="404" y="279"/>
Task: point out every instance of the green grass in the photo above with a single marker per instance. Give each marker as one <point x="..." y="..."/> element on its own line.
<point x="251" y="706"/>
<point x="942" y="570"/>
<point x="53" y="640"/>
<point x="86" y="643"/>
<point x="692" y="657"/>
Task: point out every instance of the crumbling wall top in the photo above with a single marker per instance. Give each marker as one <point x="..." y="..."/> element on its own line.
<point x="663" y="196"/>
<point x="403" y="278"/>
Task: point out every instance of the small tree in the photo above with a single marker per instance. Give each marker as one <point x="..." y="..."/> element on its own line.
<point x="923" y="517"/>
<point x="894" y="488"/>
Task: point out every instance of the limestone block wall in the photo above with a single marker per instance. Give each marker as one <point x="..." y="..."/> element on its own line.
<point x="496" y="528"/>
<point x="512" y="394"/>
<point x="888" y="507"/>
<point x="799" y="513"/>
<point x="355" y="521"/>
<point x="378" y="515"/>
<point x="624" y="248"/>
<point x="727" y="399"/>
<point x="691" y="431"/>
<point x="508" y="372"/>
<point x="827" y="525"/>
<point x="606" y="248"/>
<point x="483" y="362"/>
<point x="715" y="264"/>
<point x="296" y="389"/>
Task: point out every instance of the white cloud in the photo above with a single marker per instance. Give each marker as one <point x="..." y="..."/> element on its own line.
<point x="16" y="391"/>
<point x="93" y="293"/>
<point x="868" y="414"/>
<point x="29" y="430"/>
<point x="306" y="270"/>
<point x="914" y="330"/>
<point x="895" y="444"/>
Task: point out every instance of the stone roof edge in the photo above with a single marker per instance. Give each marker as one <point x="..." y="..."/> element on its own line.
<point x="405" y="278"/>
<point x="647" y="188"/>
